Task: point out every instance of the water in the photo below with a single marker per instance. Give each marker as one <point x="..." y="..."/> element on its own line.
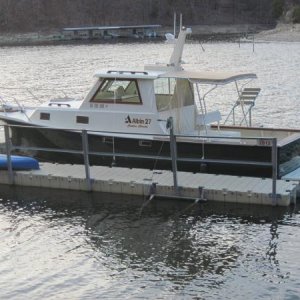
<point x="71" y="245"/>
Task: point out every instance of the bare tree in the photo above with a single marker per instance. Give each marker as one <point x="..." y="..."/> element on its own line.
<point x="27" y="15"/>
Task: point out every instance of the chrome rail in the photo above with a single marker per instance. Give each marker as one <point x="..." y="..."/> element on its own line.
<point x="32" y="96"/>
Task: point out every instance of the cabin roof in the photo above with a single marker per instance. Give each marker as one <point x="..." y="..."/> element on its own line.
<point x="130" y="74"/>
<point x="201" y="77"/>
<point x="209" y="77"/>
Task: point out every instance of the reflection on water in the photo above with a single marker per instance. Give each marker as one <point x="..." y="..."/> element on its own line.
<point x="83" y="245"/>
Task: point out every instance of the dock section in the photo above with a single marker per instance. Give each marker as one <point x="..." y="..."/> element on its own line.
<point x="145" y="183"/>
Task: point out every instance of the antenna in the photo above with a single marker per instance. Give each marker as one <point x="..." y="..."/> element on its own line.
<point x="174" y="28"/>
<point x="180" y="22"/>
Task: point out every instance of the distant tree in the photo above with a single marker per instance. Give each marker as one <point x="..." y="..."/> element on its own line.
<point x="154" y="11"/>
<point x="40" y="15"/>
<point x="278" y="6"/>
<point x="296" y="14"/>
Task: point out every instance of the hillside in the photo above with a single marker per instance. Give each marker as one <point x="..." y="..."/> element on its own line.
<point x="39" y="15"/>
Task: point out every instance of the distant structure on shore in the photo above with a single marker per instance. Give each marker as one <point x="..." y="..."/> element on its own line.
<point x="171" y="38"/>
<point x="108" y="32"/>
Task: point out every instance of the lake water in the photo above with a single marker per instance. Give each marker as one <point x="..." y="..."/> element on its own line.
<point x="71" y="245"/>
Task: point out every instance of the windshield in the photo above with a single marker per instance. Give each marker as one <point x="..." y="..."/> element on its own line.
<point x="118" y="91"/>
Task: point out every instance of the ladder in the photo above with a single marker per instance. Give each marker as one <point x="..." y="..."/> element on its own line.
<point x="246" y="101"/>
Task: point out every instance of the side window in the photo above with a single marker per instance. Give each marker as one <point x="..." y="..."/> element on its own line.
<point x="44" y="116"/>
<point x="82" y="119"/>
<point x="164" y="90"/>
<point x="124" y="91"/>
<point x="171" y="93"/>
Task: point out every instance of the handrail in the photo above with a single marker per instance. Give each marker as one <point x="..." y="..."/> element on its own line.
<point x="129" y="72"/>
<point x="32" y="95"/>
<point x="120" y="133"/>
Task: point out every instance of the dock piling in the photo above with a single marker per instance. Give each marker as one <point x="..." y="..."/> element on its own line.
<point x="274" y="171"/>
<point x="173" y="149"/>
<point x="8" y="153"/>
<point x="85" y="148"/>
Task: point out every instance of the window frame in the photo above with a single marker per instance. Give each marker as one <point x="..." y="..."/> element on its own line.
<point x="112" y="101"/>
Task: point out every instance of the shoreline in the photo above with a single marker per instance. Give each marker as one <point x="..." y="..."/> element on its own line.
<point x="204" y="33"/>
<point x="281" y="33"/>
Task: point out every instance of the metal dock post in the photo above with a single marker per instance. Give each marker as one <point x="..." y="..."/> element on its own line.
<point x="85" y="148"/>
<point x="173" y="148"/>
<point x="8" y="153"/>
<point x="274" y="171"/>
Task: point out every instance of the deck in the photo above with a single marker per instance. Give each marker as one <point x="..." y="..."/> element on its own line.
<point x="248" y="190"/>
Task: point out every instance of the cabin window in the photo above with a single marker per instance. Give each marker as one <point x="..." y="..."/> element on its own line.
<point x="45" y="116"/>
<point x="164" y="86"/>
<point x="121" y="91"/>
<point x="164" y="90"/>
<point x="173" y="93"/>
<point x="82" y="120"/>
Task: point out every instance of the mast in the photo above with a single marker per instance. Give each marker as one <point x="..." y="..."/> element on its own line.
<point x="175" y="59"/>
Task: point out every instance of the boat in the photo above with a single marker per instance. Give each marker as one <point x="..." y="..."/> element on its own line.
<point x="19" y="162"/>
<point x="128" y="116"/>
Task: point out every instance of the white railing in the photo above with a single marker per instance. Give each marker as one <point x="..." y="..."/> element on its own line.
<point x="14" y="96"/>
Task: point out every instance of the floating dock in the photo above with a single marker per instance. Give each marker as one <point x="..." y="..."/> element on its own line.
<point x="160" y="183"/>
<point x="145" y="183"/>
